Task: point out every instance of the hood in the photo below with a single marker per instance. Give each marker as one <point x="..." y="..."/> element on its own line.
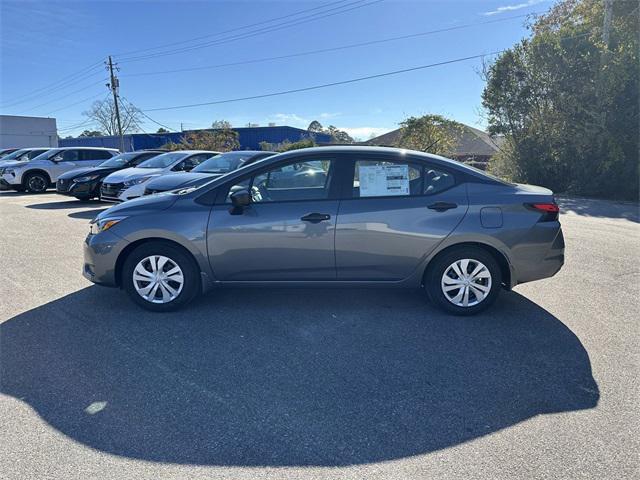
<point x="131" y="173"/>
<point x="178" y="180"/>
<point x="13" y="163"/>
<point x="86" y="171"/>
<point x="140" y="206"/>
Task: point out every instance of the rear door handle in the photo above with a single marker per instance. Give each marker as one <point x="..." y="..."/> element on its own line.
<point x="442" y="206"/>
<point x="315" y="217"/>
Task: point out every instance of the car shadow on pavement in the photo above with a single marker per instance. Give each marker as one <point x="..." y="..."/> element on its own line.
<point x="87" y="214"/>
<point x="284" y="377"/>
<point x="66" y="204"/>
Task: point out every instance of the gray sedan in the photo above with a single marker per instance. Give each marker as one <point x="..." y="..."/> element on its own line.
<point x="332" y="216"/>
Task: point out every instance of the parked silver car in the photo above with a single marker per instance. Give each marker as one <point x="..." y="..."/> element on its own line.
<point x="43" y="171"/>
<point x="356" y="216"/>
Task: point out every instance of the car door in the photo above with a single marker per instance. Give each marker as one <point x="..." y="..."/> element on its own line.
<point x="286" y="233"/>
<point x="399" y="211"/>
<point x="64" y="161"/>
<point x="93" y="158"/>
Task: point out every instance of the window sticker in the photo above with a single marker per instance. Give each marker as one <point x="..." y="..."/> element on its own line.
<point x="383" y="180"/>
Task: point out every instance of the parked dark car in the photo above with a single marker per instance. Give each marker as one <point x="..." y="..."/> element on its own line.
<point x="214" y="167"/>
<point x="376" y="217"/>
<point x="84" y="183"/>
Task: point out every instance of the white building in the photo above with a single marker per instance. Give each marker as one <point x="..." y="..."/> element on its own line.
<point x="23" y="132"/>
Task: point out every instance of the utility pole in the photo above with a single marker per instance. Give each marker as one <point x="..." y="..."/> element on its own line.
<point x="114" y="85"/>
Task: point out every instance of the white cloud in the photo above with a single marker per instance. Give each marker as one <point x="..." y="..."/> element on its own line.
<point x="328" y="115"/>
<point x="511" y="8"/>
<point x="364" y="133"/>
<point x="292" y="119"/>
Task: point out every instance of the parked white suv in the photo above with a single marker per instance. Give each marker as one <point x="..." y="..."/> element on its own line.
<point x="130" y="183"/>
<point x="42" y="172"/>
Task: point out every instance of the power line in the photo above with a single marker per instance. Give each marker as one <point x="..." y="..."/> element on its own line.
<point x="228" y="31"/>
<point x="144" y="114"/>
<point x="67" y="95"/>
<point x="324" y="85"/>
<point x="74" y="104"/>
<point x="330" y="49"/>
<point x="262" y="31"/>
<point x="60" y="84"/>
<point x="343" y="82"/>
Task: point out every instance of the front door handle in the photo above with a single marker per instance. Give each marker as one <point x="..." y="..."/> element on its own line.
<point x="442" y="206"/>
<point x="315" y="217"/>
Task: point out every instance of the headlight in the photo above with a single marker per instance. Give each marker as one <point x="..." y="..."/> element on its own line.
<point x="9" y="171"/>
<point x="88" y="178"/>
<point x="136" y="181"/>
<point x="103" y="224"/>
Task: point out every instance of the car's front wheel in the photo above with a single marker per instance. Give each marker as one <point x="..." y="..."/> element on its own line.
<point x="464" y="280"/>
<point x="36" y="182"/>
<point x="160" y="277"/>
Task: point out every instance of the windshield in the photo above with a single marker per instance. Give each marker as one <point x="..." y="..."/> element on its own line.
<point x="16" y="154"/>
<point x="223" y="163"/>
<point x="48" y="154"/>
<point x="163" y="161"/>
<point x="119" y="160"/>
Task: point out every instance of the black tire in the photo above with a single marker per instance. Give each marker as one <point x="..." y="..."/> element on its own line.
<point x="36" y="182"/>
<point x="190" y="272"/>
<point x="440" y="265"/>
<point x="84" y="198"/>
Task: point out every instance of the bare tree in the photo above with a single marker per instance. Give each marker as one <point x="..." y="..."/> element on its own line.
<point x="104" y="114"/>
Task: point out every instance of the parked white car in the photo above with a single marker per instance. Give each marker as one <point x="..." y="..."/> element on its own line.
<point x="130" y="183"/>
<point x="42" y="171"/>
<point x="22" y="155"/>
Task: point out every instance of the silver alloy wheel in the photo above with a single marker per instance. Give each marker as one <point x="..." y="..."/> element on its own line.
<point x="158" y="279"/>
<point x="37" y="184"/>
<point x="466" y="282"/>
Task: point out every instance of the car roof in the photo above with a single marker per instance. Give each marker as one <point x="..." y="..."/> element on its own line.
<point x="85" y="148"/>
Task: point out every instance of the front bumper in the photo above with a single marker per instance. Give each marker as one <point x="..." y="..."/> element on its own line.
<point x="101" y="253"/>
<point x="73" y="189"/>
<point x="120" y="193"/>
<point x="7" y="182"/>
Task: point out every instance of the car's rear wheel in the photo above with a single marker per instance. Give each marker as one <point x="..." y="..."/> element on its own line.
<point x="36" y="182"/>
<point x="84" y="198"/>
<point x="464" y="280"/>
<point x="160" y="277"/>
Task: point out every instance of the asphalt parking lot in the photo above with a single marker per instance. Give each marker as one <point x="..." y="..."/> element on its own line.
<point x="281" y="383"/>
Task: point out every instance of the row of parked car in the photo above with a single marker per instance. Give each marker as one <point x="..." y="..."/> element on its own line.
<point x="87" y="173"/>
<point x="328" y="216"/>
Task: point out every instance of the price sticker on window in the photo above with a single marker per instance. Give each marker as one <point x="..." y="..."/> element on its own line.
<point x="383" y="180"/>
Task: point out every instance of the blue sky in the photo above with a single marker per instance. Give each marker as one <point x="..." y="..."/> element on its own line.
<point x="46" y="42"/>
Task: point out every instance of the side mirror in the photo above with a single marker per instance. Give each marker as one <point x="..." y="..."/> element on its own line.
<point x="57" y="158"/>
<point x="240" y="198"/>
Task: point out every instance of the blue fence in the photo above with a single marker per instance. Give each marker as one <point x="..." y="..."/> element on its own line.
<point x="249" y="138"/>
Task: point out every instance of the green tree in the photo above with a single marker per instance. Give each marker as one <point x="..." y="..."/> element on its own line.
<point x="430" y="133"/>
<point x="91" y="133"/>
<point x="221" y="124"/>
<point x="224" y="140"/>
<point x="567" y="103"/>
<point x="315" y="126"/>
<point x="337" y="135"/>
<point x="287" y="145"/>
<point x="162" y="130"/>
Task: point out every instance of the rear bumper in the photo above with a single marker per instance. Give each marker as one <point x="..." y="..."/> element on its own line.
<point x="543" y="257"/>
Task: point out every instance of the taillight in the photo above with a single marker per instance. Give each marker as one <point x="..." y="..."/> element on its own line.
<point x="550" y="211"/>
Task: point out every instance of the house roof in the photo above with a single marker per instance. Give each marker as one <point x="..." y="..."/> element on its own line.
<point x="471" y="141"/>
